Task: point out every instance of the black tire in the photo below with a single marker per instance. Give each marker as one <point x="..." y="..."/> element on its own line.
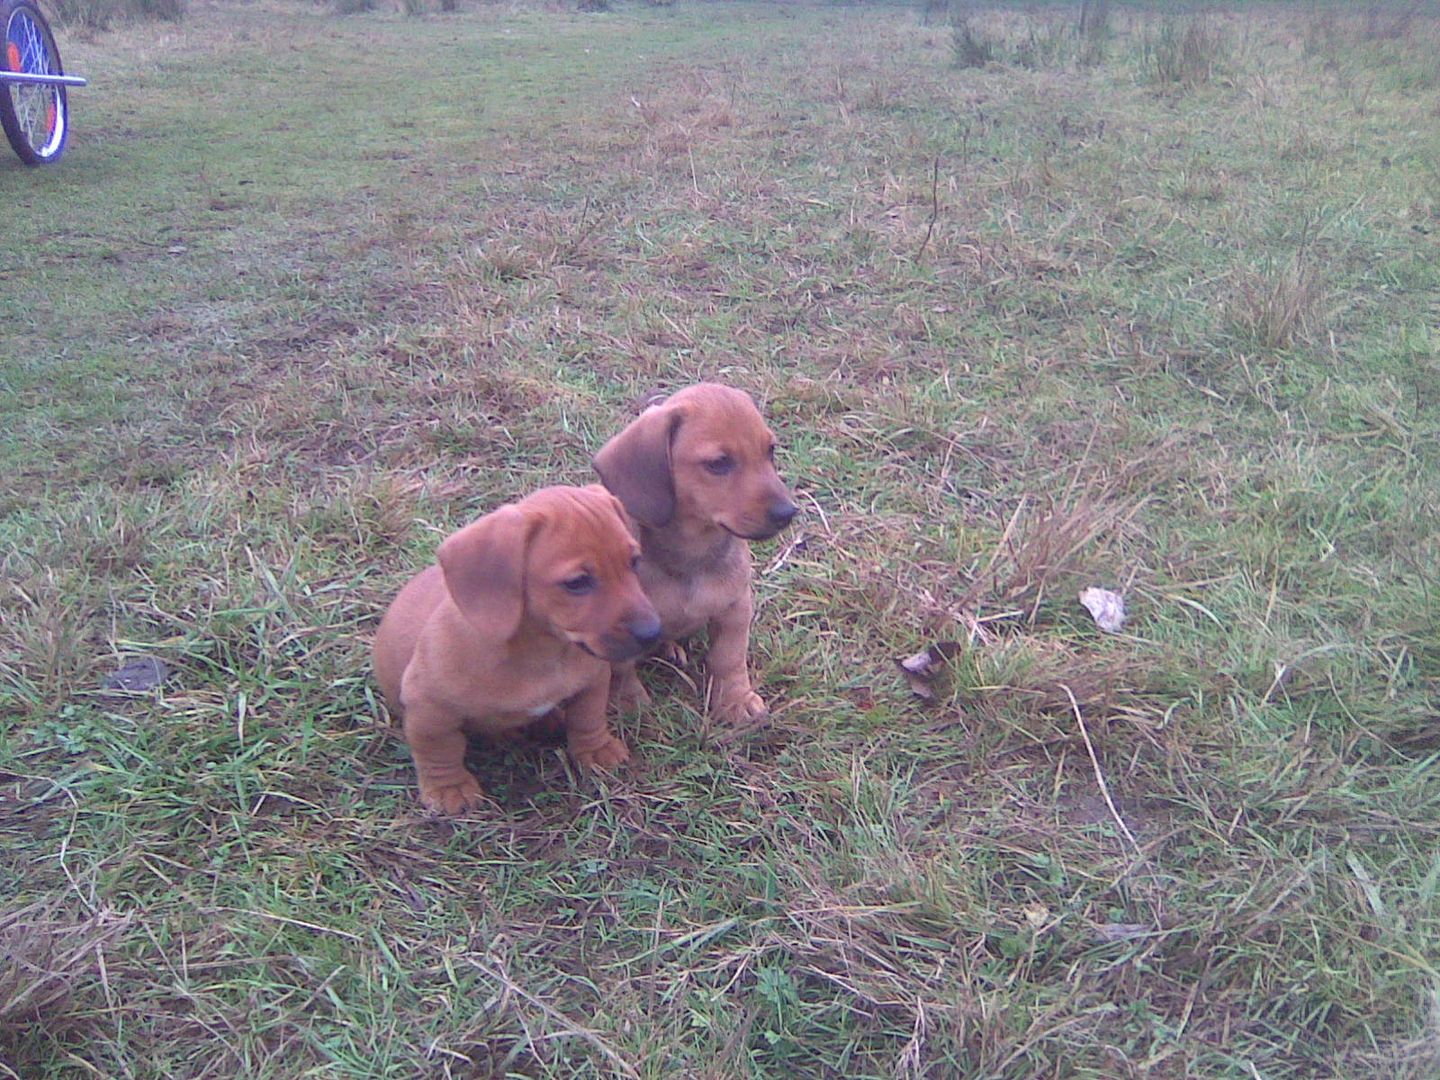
<point x="36" y="118"/>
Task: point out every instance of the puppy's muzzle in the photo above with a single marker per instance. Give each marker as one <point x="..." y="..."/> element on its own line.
<point x="631" y="638"/>
<point x="645" y="629"/>
<point x="780" y="514"/>
<point x="777" y="515"/>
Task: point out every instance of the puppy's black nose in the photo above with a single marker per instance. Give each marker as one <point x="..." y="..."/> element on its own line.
<point x="645" y="629"/>
<point x="782" y="513"/>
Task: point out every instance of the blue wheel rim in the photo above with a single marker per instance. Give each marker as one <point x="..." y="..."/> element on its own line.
<point x="40" y="110"/>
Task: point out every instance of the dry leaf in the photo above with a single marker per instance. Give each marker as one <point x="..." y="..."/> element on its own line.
<point x="1106" y="607"/>
<point x="1036" y="915"/>
<point x="925" y="667"/>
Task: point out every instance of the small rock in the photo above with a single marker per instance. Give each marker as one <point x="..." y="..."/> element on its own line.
<point x="142" y="673"/>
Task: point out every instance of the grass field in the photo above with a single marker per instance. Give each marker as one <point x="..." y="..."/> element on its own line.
<point x="1154" y="309"/>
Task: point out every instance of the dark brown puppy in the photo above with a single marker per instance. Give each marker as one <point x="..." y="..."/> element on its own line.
<point x="697" y="476"/>
<point x="523" y="615"/>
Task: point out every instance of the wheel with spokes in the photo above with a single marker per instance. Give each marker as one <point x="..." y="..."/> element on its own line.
<point x="36" y="116"/>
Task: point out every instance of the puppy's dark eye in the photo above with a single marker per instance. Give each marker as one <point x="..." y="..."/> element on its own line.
<point x="720" y="466"/>
<point x="579" y="585"/>
<point x="635" y="563"/>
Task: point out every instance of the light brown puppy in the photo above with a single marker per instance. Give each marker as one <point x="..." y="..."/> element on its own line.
<point x="523" y="615"/>
<point x="697" y="476"/>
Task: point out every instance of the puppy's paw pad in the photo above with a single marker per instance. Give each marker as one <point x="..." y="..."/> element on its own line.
<point x="452" y="799"/>
<point x="607" y="755"/>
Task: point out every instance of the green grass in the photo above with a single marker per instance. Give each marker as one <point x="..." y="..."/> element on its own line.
<point x="307" y="292"/>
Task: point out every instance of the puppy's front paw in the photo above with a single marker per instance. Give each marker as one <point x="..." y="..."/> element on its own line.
<point x="742" y="706"/>
<point x="672" y="653"/>
<point x="452" y="799"/>
<point x="604" y="755"/>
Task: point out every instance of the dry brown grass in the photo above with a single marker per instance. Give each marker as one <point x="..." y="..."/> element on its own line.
<point x="50" y="957"/>
<point x="1280" y="305"/>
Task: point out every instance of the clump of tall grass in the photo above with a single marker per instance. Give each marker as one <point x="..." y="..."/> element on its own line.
<point x="1386" y="22"/>
<point x="933" y="11"/>
<point x="1279" y="304"/>
<point x="1186" y="53"/>
<point x="1048" y="44"/>
<point x="1033" y="40"/>
<point x="1321" y="35"/>
<point x="103" y="14"/>
<point x="1328" y="31"/>
<point x="1037" y="44"/>
<point x="969" y="47"/>
<point x="1093" y="31"/>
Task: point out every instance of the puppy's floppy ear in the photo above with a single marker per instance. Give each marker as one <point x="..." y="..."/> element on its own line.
<point x="484" y="568"/>
<point x="635" y="465"/>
